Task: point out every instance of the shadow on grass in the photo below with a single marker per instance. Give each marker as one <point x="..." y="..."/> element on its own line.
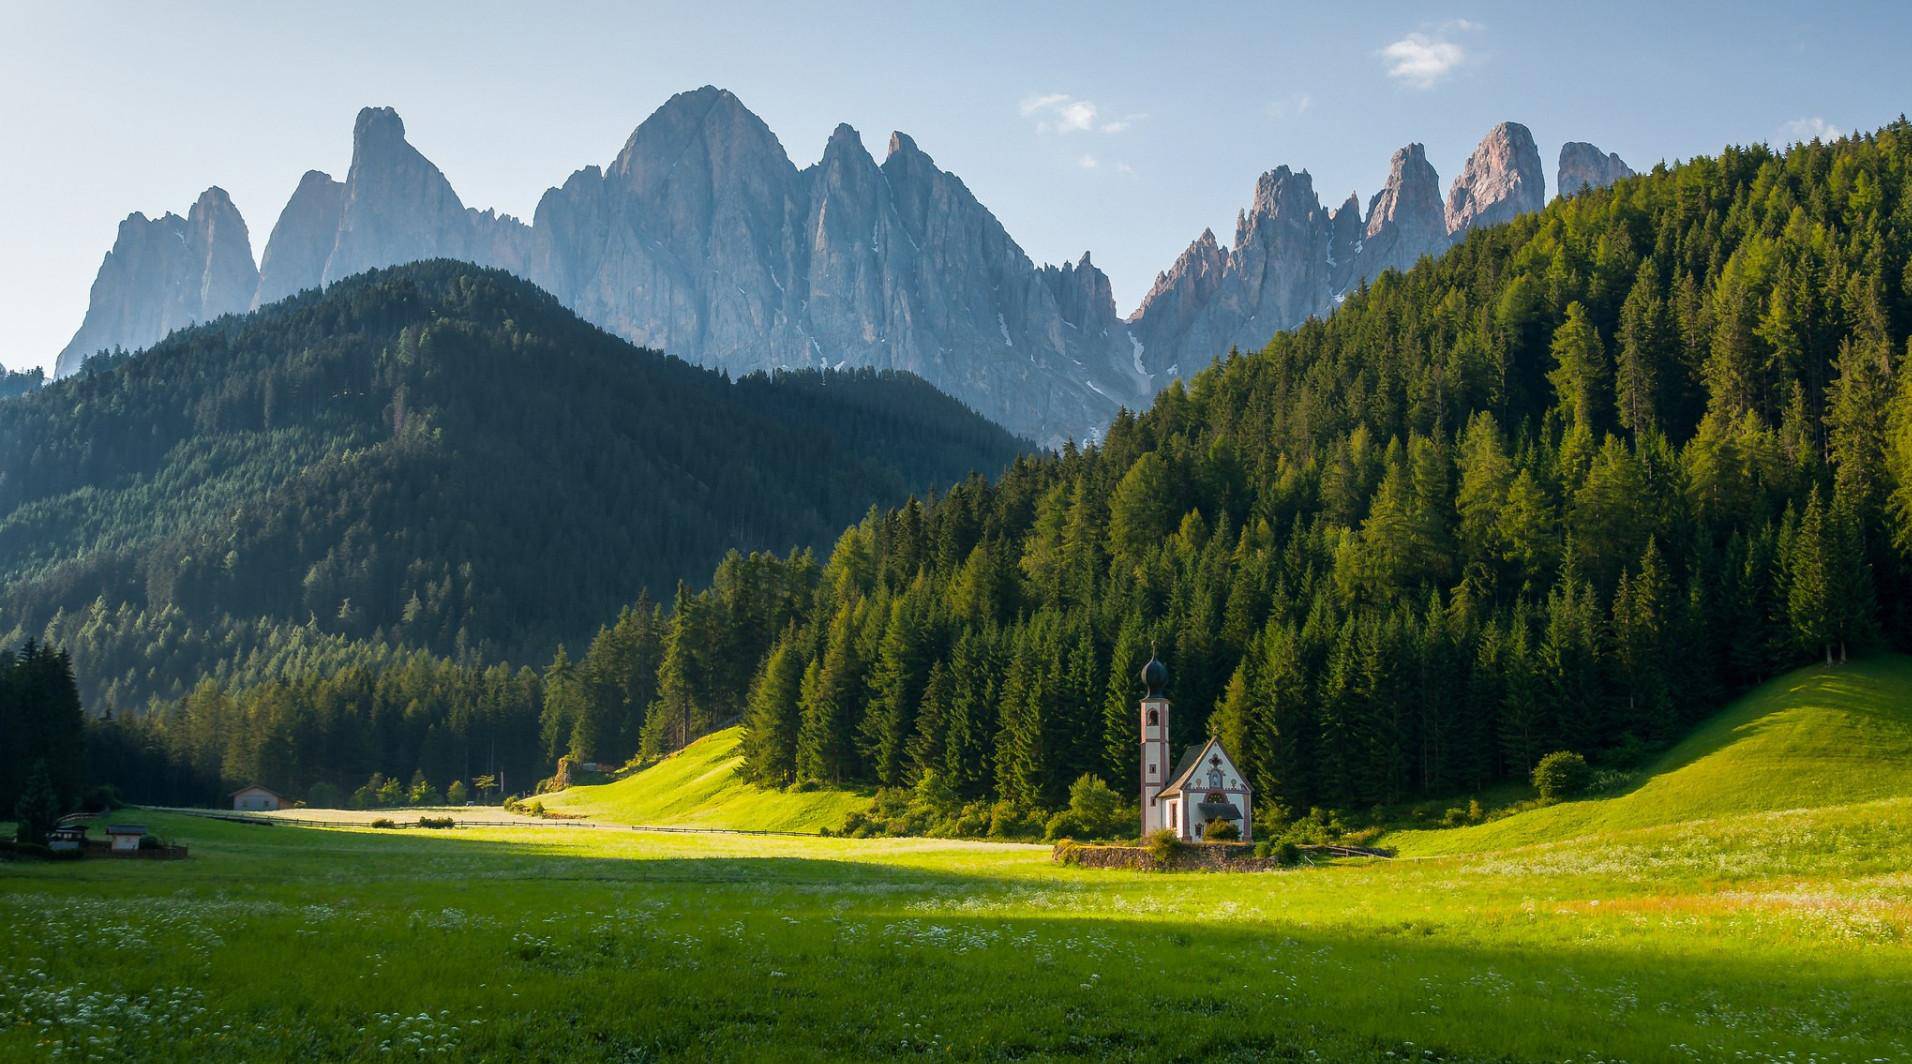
<point x="657" y="953"/>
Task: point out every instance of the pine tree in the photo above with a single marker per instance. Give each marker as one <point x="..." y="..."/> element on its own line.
<point x="1644" y="336"/>
<point x="1580" y="376"/>
<point x="772" y="719"/>
<point x="896" y="685"/>
<point x="826" y="747"/>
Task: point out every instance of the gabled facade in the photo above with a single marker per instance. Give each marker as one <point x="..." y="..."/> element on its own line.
<point x="1206" y="786"/>
<point x="257" y="799"/>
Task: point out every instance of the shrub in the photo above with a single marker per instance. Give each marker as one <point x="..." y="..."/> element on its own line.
<point x="1263" y="849"/>
<point x="384" y="822"/>
<point x="322" y="796"/>
<point x="437" y="822"/>
<point x="1068" y="852"/>
<point x="457" y="794"/>
<point x="1561" y="774"/>
<point x="1064" y="825"/>
<point x="1220" y="831"/>
<point x="1010" y="821"/>
<point x="1098" y="811"/>
<point x="1163" y="846"/>
<point x="1287" y="855"/>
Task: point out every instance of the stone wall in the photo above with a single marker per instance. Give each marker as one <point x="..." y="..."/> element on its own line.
<point x="1189" y="857"/>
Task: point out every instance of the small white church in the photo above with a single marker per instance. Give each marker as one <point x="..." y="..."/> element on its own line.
<point x="1204" y="785"/>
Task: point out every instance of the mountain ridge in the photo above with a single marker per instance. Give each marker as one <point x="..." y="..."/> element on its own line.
<point x="702" y="237"/>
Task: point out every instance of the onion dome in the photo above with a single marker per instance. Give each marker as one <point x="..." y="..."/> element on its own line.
<point x="1154" y="676"/>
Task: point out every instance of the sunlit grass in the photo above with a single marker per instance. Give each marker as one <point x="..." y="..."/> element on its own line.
<point x="1750" y="902"/>
<point x="699" y="787"/>
<point x="1815" y="737"/>
<point x="1748" y="937"/>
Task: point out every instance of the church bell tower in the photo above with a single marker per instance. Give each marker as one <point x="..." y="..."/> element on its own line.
<point x="1155" y="763"/>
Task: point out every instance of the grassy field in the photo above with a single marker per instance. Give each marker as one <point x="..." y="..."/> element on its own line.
<point x="698" y="787"/>
<point x="1814" y="738"/>
<point x="1749" y="934"/>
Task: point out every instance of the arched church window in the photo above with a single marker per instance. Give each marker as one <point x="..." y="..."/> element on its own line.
<point x="1153" y="717"/>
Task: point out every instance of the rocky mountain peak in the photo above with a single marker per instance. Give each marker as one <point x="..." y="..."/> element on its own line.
<point x="301" y="241"/>
<point x="1405" y="219"/>
<point x="1502" y="179"/>
<point x="377" y="127"/>
<point x="164" y="274"/>
<point x="901" y="144"/>
<point x="1582" y="166"/>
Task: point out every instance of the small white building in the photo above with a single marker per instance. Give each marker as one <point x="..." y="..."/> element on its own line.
<point x="125" y="837"/>
<point x="1205" y="785"/>
<point x="257" y="799"/>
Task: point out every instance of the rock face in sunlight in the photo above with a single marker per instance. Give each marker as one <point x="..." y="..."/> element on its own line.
<point x="1501" y="180"/>
<point x="1582" y="166"/>
<point x="163" y="274"/>
<point x="702" y="238"/>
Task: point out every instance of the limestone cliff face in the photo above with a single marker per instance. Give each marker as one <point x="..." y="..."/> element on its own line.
<point x="1292" y="259"/>
<point x="1500" y="181"/>
<point x="702" y="238"/>
<point x="1404" y="218"/>
<point x="1582" y="166"/>
<point x="163" y="274"/>
<point x="302" y="239"/>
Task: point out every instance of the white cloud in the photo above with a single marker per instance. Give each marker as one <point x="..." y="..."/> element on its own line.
<point x="1804" y="129"/>
<point x="1292" y="105"/>
<point x="1420" y="61"/>
<point x="1423" y="58"/>
<point x="1088" y="162"/>
<point x="1059" y="112"/>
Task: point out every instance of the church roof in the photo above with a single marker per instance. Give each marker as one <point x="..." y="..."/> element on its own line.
<point x="1191" y="760"/>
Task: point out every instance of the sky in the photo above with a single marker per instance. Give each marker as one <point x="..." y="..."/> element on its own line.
<point x="1118" y="128"/>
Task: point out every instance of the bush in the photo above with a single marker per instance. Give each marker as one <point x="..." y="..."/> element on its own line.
<point x="384" y="822"/>
<point x="1068" y="852"/>
<point x="1010" y="821"/>
<point x="1220" y="831"/>
<point x="1287" y="855"/>
<point x="1561" y="774"/>
<point x="1163" y="846"/>
<point x="457" y="794"/>
<point x="437" y="822"/>
<point x="1098" y="812"/>
<point x="322" y="796"/>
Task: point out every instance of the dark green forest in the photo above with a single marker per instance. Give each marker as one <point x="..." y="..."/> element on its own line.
<point x="14" y="383"/>
<point x="434" y="458"/>
<point x="1567" y="487"/>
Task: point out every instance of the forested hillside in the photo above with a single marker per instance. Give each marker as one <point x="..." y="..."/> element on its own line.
<point x="432" y="458"/>
<point x="1567" y="487"/>
<point x="1563" y="488"/>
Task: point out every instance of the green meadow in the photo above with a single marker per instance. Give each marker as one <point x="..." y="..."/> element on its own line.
<point x="698" y="787"/>
<point x="1748" y="900"/>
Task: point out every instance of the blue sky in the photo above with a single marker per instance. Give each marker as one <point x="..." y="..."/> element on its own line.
<point x="1118" y="128"/>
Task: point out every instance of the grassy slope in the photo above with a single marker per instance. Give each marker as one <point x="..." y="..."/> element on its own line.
<point x="1812" y="738"/>
<point x="699" y="787"/>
